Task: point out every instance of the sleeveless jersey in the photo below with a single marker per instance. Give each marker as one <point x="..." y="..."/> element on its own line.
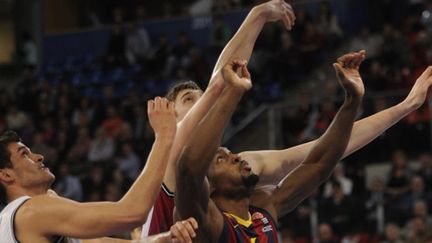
<point x="260" y="228"/>
<point x="160" y="218"/>
<point x="7" y="219"/>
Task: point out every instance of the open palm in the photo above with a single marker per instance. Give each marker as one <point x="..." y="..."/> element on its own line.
<point x="347" y="71"/>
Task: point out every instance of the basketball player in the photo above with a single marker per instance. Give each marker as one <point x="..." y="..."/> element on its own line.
<point x="270" y="165"/>
<point x="34" y="215"/>
<point x="222" y="204"/>
<point x="187" y="94"/>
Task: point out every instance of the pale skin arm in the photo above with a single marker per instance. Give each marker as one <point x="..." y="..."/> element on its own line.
<point x="273" y="165"/>
<point x="60" y="216"/>
<point x="239" y="47"/>
<point x="329" y="148"/>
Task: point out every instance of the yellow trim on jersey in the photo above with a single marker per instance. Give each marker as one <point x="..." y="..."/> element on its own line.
<point x="253" y="240"/>
<point x="245" y="223"/>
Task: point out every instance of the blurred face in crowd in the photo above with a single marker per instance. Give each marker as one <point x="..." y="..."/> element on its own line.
<point x="392" y="232"/>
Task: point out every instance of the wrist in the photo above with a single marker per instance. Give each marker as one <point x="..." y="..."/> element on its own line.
<point x="164" y="138"/>
<point x="260" y="12"/>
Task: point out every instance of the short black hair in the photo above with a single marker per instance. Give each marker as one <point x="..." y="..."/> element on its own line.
<point x="5" y="139"/>
<point x="177" y="87"/>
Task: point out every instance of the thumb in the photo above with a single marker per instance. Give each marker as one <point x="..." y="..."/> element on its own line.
<point x="337" y="67"/>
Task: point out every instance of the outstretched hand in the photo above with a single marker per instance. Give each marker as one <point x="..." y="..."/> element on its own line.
<point x="347" y="71"/>
<point x="418" y="93"/>
<point x="276" y="10"/>
<point x="237" y="75"/>
<point x="162" y="118"/>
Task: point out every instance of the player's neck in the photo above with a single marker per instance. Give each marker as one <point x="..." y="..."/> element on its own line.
<point x="17" y="192"/>
<point x="238" y="207"/>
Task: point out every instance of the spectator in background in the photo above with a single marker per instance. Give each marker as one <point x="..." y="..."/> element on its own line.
<point x="392" y="234"/>
<point x="84" y="110"/>
<point x="419" y="233"/>
<point x="339" y="176"/>
<point x="115" y="55"/>
<point x="129" y="163"/>
<point x="325" y="234"/>
<point x="328" y="25"/>
<point x="68" y="185"/>
<point x="374" y="202"/>
<point x="425" y="170"/>
<point x="138" y="44"/>
<point x="113" y="121"/>
<point x="28" y="52"/>
<point x="398" y="180"/>
<point x="159" y="56"/>
<point x="339" y="210"/>
<point x="367" y="41"/>
<point x="102" y="147"/>
<point x="180" y="55"/>
<point x="416" y="192"/>
<point x="220" y="34"/>
<point x="79" y="150"/>
<point x="94" y="184"/>
<point x="397" y="186"/>
<point x="420" y="209"/>
<point x="16" y="118"/>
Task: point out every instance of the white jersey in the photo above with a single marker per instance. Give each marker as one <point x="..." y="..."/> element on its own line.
<point x="7" y="218"/>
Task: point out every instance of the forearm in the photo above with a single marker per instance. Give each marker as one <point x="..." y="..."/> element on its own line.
<point x="281" y="162"/>
<point x="328" y="150"/>
<point x="241" y="44"/>
<point x="367" y="129"/>
<point x="194" y="116"/>
<point x="143" y="192"/>
<point x="188" y="124"/>
<point x="204" y="141"/>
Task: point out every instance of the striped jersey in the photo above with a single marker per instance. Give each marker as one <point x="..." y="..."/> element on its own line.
<point x="160" y="218"/>
<point x="259" y="228"/>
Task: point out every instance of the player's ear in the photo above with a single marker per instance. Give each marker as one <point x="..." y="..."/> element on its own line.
<point x="6" y="175"/>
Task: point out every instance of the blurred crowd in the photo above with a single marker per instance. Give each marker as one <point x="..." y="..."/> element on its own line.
<point x="87" y="115"/>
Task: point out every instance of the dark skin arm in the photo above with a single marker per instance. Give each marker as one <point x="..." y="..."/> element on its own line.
<point x="328" y="150"/>
<point x="192" y="197"/>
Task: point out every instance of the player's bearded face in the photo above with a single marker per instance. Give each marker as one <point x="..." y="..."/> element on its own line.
<point x="250" y="181"/>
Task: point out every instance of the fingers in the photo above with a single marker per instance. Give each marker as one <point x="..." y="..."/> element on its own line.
<point x="150" y="106"/>
<point x="352" y="60"/>
<point x="241" y="69"/>
<point x="193" y="222"/>
<point x="183" y="231"/>
<point x="289" y="18"/>
<point x="245" y="72"/>
<point x="338" y="67"/>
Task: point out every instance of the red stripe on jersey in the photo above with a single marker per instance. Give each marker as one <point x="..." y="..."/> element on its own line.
<point x="162" y="214"/>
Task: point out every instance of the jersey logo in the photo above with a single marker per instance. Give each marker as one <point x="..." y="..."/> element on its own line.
<point x="257" y="215"/>
<point x="267" y="228"/>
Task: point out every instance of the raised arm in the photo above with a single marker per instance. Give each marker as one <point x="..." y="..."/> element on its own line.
<point x="192" y="196"/>
<point x="239" y="47"/>
<point x="59" y="216"/>
<point x="242" y="43"/>
<point x="273" y="165"/>
<point x="329" y="148"/>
